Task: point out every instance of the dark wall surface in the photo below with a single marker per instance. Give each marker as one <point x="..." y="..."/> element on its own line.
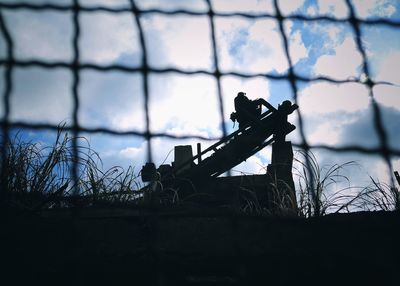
<point x="115" y="246"/>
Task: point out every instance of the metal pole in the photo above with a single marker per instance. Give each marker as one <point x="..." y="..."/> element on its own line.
<point x="199" y="153"/>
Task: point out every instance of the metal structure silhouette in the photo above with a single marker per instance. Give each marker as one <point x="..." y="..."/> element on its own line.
<point x="256" y="131"/>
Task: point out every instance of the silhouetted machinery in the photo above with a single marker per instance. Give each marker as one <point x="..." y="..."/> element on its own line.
<point x="195" y="177"/>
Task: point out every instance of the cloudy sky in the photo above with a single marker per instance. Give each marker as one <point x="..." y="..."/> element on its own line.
<point x="333" y="114"/>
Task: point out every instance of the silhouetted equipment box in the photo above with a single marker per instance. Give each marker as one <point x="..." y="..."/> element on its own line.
<point x="183" y="154"/>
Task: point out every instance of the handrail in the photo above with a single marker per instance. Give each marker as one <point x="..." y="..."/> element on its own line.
<point x="223" y="140"/>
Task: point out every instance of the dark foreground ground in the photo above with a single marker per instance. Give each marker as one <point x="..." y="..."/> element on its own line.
<point x="127" y="247"/>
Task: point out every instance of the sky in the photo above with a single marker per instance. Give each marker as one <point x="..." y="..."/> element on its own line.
<point x="333" y="114"/>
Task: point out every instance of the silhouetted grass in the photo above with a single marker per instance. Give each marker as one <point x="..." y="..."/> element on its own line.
<point x="325" y="197"/>
<point x="39" y="175"/>
<point x="330" y="196"/>
<point x="379" y="196"/>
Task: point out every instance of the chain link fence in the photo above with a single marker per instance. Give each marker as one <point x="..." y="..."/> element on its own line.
<point x="76" y="67"/>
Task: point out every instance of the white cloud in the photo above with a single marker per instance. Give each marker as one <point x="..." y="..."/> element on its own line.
<point x="104" y="3"/>
<point x="247" y="46"/>
<point x="48" y="35"/>
<point x="38" y="1"/>
<point x="184" y="105"/>
<point x="113" y="100"/>
<point x="40" y="35"/>
<point x="251" y="166"/>
<point x="191" y="5"/>
<point x="184" y="102"/>
<point x="324" y="97"/>
<point x="252" y="6"/>
<point x="360" y="172"/>
<point x="381" y="173"/>
<point x="107" y="37"/>
<point x="327" y="133"/>
<point x="334" y="33"/>
<point x="388" y="68"/>
<point x="341" y="65"/>
<point x="312" y="10"/>
<point x="162" y="151"/>
<point x="41" y="95"/>
<point x="326" y="38"/>
<point x="375" y="8"/>
<point x="132" y="153"/>
<point x="290" y="6"/>
<point x="333" y="7"/>
<point x="180" y="41"/>
<point x="387" y="95"/>
<point x="296" y="47"/>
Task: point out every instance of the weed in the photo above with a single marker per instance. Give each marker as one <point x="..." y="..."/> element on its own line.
<point x="282" y="198"/>
<point x="379" y="196"/>
<point x="39" y="176"/>
<point x="322" y="199"/>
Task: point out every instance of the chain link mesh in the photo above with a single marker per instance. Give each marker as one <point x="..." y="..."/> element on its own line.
<point x="76" y="67"/>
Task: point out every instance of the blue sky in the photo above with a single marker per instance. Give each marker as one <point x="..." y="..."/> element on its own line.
<point x="335" y="115"/>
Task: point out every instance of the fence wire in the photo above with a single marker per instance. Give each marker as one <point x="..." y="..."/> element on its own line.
<point x="76" y="67"/>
